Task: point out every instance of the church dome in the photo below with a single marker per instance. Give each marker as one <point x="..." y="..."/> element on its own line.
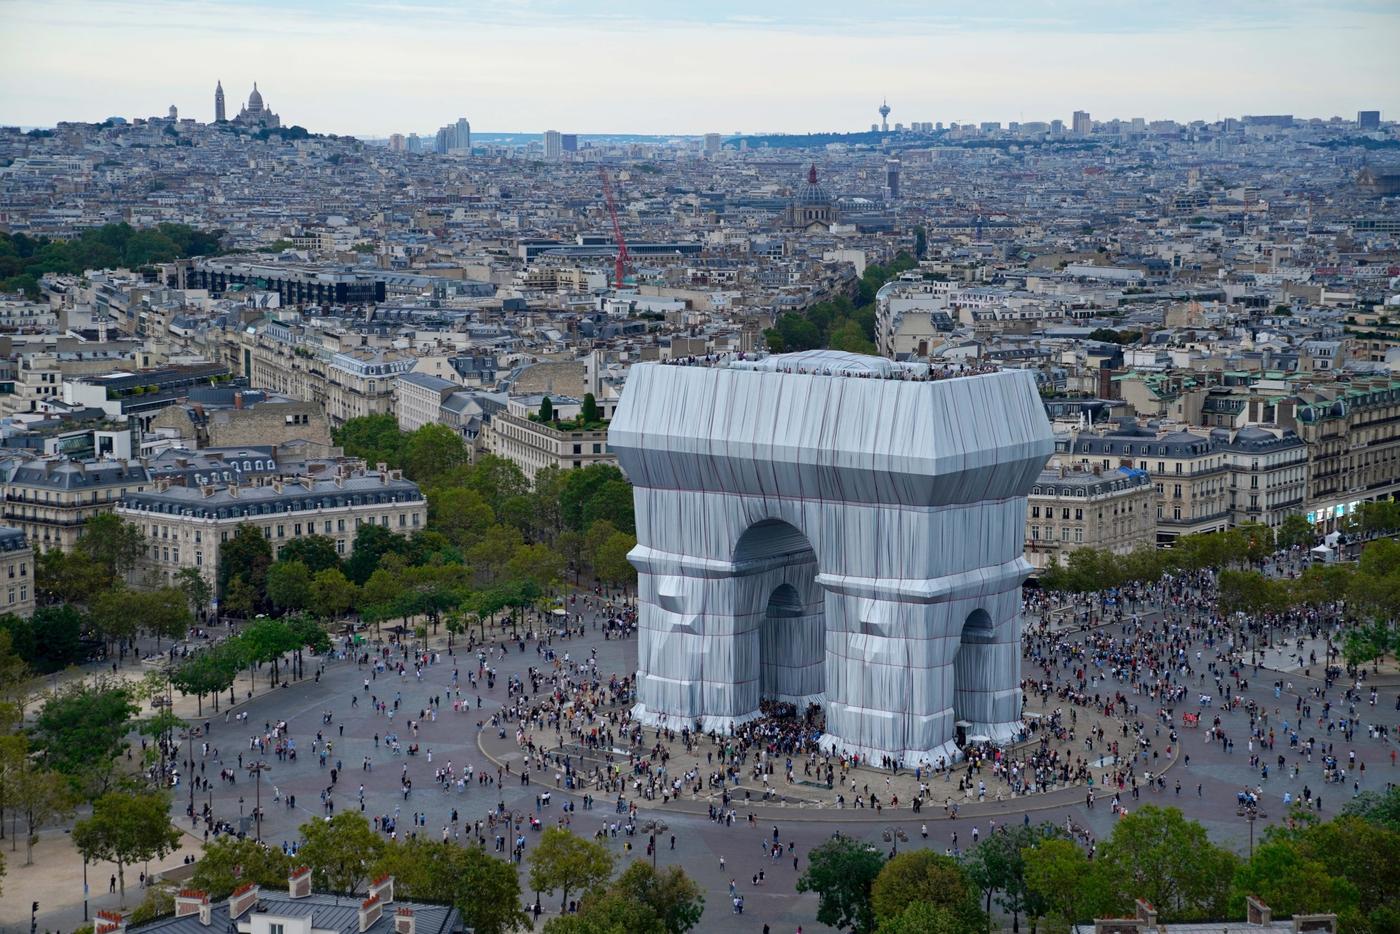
<point x="812" y="193"/>
<point x="255" y="101"/>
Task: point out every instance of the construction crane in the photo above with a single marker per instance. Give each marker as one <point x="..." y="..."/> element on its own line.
<point x="620" y="266"/>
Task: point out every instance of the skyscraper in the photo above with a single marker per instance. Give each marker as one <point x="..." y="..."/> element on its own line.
<point x="1082" y="125"/>
<point x="443" y="139"/>
<point x="463" y="136"/>
<point x="568" y="142"/>
<point x="712" y="143"/>
<point x="219" y="102"/>
<point x="413" y="143"/>
<point x="552" y="144"/>
<point x="1368" y="119"/>
<point x="396" y="142"/>
<point x="892" y="166"/>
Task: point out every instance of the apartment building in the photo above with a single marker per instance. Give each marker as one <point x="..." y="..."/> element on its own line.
<point x="1268" y="473"/>
<point x="49" y="499"/>
<point x="184" y="525"/>
<point x="349" y="383"/>
<point x="1089" y="507"/>
<point x="1352" y="432"/>
<point x="1188" y="472"/>
<point x="16" y="564"/>
<point x="418" y="399"/>
<point x="536" y="445"/>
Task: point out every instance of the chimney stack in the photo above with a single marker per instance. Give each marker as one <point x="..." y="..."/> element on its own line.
<point x="243" y="898"/>
<point x="1256" y="912"/>
<point x="403" y="921"/>
<point x="383" y="887"/>
<point x="109" y="922"/>
<point x="194" y="902"/>
<point x="299" y="883"/>
<point x="370" y="910"/>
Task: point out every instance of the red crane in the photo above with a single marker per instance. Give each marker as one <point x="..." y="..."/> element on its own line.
<point x="621" y="264"/>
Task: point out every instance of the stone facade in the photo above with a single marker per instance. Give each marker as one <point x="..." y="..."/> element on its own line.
<point x="1072" y="508"/>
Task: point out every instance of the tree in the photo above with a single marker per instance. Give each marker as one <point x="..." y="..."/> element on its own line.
<point x="1295" y="532"/>
<point x="332" y="594"/>
<point x="1249" y="592"/>
<point x="610" y="561"/>
<point x="68" y="577"/>
<point x="1290" y="883"/>
<point x="564" y="861"/>
<point x="1157" y="854"/>
<point x="546" y="410"/>
<point x="40" y="796"/>
<point x="317" y="552"/>
<point x="842" y="871"/>
<point x="926" y="918"/>
<point x="613" y="501"/>
<point x="580" y="487"/>
<point x="289" y="585"/>
<point x="165" y="612"/>
<point x="126" y="828"/>
<point x="539" y="564"/>
<point x="489" y="556"/>
<point x="485" y="890"/>
<point x="245" y="557"/>
<point x="1069" y="886"/>
<point x="228" y="862"/>
<point x="116" y="615"/>
<point x="922" y="876"/>
<point x="461" y="514"/>
<point x="671" y="895"/>
<point x="589" y="410"/>
<point x="49" y="640"/>
<point x="340" y="851"/>
<point x="81" y="730"/>
<point x="372" y="543"/>
<point x="375" y="438"/>
<point x="196" y="589"/>
<point x="112" y="542"/>
<point x="431" y="452"/>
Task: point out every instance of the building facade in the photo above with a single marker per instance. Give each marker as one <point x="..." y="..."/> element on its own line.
<point x="1070" y="508"/>
<point x="536" y="445"/>
<point x="185" y="525"/>
<point x="16" y="569"/>
<point x="1188" y="471"/>
<point x="50" y="500"/>
<point x="1268" y="473"/>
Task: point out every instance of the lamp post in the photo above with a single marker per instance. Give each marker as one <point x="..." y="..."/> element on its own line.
<point x="257" y="768"/>
<point x="1250" y="812"/>
<point x="85" y="889"/>
<point x="896" y="836"/>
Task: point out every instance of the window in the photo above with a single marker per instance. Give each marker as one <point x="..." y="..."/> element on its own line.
<point x="403" y="519"/>
<point x="1035" y="533"/>
<point x="1035" y="512"/>
<point x="340" y="546"/>
<point x="1064" y="534"/>
<point x="199" y="559"/>
<point x="1079" y="515"/>
<point x="281" y="531"/>
<point x="416" y="517"/>
<point x="274" y="928"/>
<point x="1079" y="535"/>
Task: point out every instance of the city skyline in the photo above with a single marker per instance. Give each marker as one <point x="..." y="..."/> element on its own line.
<point x="372" y="69"/>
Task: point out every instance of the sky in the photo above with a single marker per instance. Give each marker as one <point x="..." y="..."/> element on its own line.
<point x="374" y="67"/>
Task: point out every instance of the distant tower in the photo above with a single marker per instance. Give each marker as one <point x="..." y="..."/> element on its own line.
<point x="219" y="103"/>
<point x="892" y="166"/>
<point x="174" y="113"/>
<point x="884" y="116"/>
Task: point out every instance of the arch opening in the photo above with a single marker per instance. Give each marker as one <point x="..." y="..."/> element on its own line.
<point x="972" y="702"/>
<point x="786" y="604"/>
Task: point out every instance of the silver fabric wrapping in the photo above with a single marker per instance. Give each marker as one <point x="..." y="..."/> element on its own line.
<point x="851" y="541"/>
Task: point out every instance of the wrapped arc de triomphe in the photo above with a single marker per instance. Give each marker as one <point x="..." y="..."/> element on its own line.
<point x="828" y="527"/>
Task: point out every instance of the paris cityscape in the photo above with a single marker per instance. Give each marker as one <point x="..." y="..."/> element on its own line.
<point x="961" y="498"/>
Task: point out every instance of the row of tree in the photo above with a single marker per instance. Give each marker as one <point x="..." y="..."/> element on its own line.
<point x="1349" y="866"/>
<point x="345" y="853"/>
<point x="839" y="324"/>
<point x="25" y="259"/>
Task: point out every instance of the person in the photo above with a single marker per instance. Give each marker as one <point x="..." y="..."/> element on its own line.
<point x="112" y="886"/>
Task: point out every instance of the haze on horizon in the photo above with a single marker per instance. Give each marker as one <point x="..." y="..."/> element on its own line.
<point x="370" y="68"/>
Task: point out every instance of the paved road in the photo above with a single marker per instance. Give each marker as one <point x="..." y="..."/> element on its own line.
<point x="712" y="853"/>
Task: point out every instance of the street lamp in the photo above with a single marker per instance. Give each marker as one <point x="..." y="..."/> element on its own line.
<point x="1250" y="812"/>
<point x="257" y="768"/>
<point x="896" y="836"/>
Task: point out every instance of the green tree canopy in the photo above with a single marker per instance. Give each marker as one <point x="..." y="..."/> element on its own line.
<point x="568" y="863"/>
<point x="340" y="851"/>
<point x="126" y="828"/>
<point x="842" y="872"/>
